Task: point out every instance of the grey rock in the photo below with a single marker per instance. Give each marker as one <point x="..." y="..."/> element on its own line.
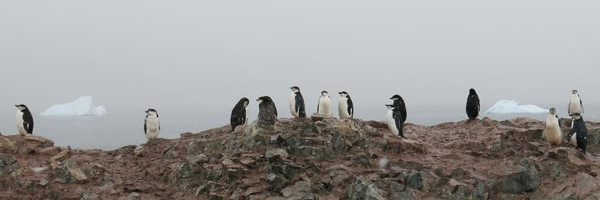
<point x="479" y="192"/>
<point x="520" y="182"/>
<point x="399" y="192"/>
<point x="413" y="179"/>
<point x="274" y="154"/>
<point x="8" y="165"/>
<point x="364" y="190"/>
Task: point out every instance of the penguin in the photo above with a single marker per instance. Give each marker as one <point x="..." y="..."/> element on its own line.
<point x="324" y="107"/>
<point x="399" y="102"/>
<point x="297" y="102"/>
<point x="24" y="120"/>
<point x="578" y="134"/>
<point x="553" y="130"/>
<point x="473" y="104"/>
<point x="345" y="106"/>
<point x="267" y="112"/>
<point x="394" y="120"/>
<point x="239" y="114"/>
<point x="575" y="105"/>
<point x="151" y="124"/>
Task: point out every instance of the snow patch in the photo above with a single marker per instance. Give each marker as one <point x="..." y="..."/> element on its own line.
<point x="512" y="107"/>
<point x="83" y="106"/>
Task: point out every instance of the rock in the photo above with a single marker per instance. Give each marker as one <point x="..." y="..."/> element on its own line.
<point x="479" y="193"/>
<point x="298" y="189"/>
<point x="398" y="191"/>
<point x="38" y="141"/>
<point x="276" y="182"/>
<point x="68" y="172"/>
<point x="50" y="151"/>
<point x="273" y="154"/>
<point x="5" y="142"/>
<point x="413" y="179"/>
<point x="520" y="182"/>
<point x="362" y="189"/>
<point x="8" y="165"/>
<point x="63" y="155"/>
<point x="139" y="150"/>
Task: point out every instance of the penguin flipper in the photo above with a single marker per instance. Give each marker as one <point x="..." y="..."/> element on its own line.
<point x="28" y="122"/>
<point x="399" y="124"/>
<point x="350" y="107"/>
<point x="299" y="105"/>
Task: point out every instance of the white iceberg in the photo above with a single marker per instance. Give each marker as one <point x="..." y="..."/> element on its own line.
<point x="83" y="106"/>
<point x="512" y="107"/>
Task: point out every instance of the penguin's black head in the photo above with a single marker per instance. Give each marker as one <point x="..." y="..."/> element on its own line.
<point x="343" y="94"/>
<point x="324" y="93"/>
<point x="264" y="99"/>
<point x="21" y="107"/>
<point x="574" y="91"/>
<point x="244" y="101"/>
<point x="151" y="110"/>
<point x="472" y="91"/>
<point x="396" y="97"/>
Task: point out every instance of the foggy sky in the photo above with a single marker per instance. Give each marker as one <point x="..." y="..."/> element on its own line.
<point x="207" y="54"/>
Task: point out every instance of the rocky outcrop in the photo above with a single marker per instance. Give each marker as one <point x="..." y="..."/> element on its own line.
<point x="318" y="158"/>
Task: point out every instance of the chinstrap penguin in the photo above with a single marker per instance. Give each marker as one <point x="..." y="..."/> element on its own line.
<point x="399" y="102"/>
<point x="345" y="106"/>
<point x="324" y="107"/>
<point x="575" y="104"/>
<point x="394" y="120"/>
<point x="24" y="120"/>
<point x="239" y="114"/>
<point x="553" y="132"/>
<point x="473" y="107"/>
<point x="297" y="102"/>
<point x="267" y="112"/>
<point x="578" y="134"/>
<point x="151" y="124"/>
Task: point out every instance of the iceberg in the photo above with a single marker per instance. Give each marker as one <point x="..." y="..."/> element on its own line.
<point x="83" y="106"/>
<point x="512" y="107"/>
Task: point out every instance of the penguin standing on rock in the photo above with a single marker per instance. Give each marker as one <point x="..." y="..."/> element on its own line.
<point x="473" y="104"/>
<point x="24" y="120"/>
<point x="578" y="134"/>
<point x="297" y="102"/>
<point x="239" y="114"/>
<point x="394" y="120"/>
<point x="324" y="107"/>
<point x="151" y="124"/>
<point x="575" y="104"/>
<point x="553" y="132"/>
<point x="399" y="102"/>
<point x="345" y="106"/>
<point x="267" y="112"/>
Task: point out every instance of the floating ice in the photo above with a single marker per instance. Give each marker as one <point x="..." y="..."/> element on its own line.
<point x="83" y="106"/>
<point x="511" y="107"/>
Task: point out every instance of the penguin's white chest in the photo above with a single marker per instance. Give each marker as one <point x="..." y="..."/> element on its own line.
<point x="575" y="105"/>
<point x="552" y="131"/>
<point x="325" y="107"/>
<point x="343" y="108"/>
<point x="391" y="122"/>
<point x="573" y="139"/>
<point x="152" y="127"/>
<point x="293" y="104"/>
<point x="19" y="120"/>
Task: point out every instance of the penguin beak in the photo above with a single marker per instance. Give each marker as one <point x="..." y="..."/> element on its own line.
<point x="17" y="106"/>
<point x="339" y="92"/>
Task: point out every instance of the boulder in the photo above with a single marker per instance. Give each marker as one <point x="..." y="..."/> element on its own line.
<point x="413" y="179"/>
<point x="8" y="165"/>
<point x="363" y="189"/>
<point x="520" y="182"/>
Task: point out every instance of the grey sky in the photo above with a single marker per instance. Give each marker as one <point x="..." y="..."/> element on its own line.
<point x="207" y="54"/>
